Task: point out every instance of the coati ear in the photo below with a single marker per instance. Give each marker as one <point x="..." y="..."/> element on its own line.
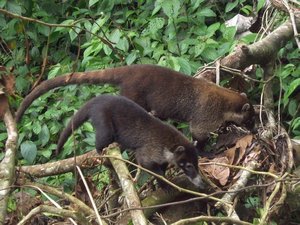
<point x="246" y="107"/>
<point x="179" y="150"/>
<point x="243" y="94"/>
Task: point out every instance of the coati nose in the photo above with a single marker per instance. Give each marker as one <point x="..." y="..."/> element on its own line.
<point x="254" y="130"/>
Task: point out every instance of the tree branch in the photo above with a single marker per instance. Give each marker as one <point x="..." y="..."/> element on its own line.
<point x="88" y="160"/>
<point x="7" y="166"/>
<point x="260" y="52"/>
<point x="132" y="199"/>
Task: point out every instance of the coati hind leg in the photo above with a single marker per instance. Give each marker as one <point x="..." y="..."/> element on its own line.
<point x="104" y="132"/>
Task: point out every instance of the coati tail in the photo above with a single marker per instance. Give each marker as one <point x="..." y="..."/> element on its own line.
<point x="111" y="75"/>
<point x="78" y="119"/>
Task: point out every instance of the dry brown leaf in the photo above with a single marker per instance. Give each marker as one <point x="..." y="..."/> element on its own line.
<point x="244" y="142"/>
<point x="3" y="105"/>
<point x="9" y="83"/>
<point x="219" y="173"/>
<point x="230" y="154"/>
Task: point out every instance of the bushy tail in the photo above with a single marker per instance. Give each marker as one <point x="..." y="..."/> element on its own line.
<point x="112" y="76"/>
<point x="77" y="120"/>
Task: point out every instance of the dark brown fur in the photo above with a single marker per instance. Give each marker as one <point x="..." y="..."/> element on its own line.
<point x="155" y="144"/>
<point x="166" y="93"/>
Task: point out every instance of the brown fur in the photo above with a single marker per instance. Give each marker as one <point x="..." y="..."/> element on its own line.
<point x="166" y="93"/>
<point x="155" y="144"/>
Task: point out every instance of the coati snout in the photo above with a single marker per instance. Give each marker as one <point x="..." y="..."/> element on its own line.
<point x="190" y="168"/>
<point x="248" y="117"/>
<point x="155" y="144"/>
<point x="170" y="94"/>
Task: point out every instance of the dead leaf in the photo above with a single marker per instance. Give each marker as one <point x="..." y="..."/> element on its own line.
<point x="230" y="154"/>
<point x="219" y="173"/>
<point x="242" y="144"/>
<point x="7" y="79"/>
<point x="3" y="105"/>
<point x="9" y="83"/>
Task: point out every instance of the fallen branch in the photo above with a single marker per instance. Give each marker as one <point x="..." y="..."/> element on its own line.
<point x="131" y="196"/>
<point x="82" y="207"/>
<point x="210" y="219"/>
<point x="7" y="166"/>
<point x="53" y="210"/>
<point x="251" y="165"/>
<point x="88" y="160"/>
<point x="261" y="52"/>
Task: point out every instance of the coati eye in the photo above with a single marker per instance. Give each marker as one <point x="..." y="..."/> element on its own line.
<point x="181" y="164"/>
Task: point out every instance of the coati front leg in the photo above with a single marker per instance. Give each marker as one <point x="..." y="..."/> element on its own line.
<point x="104" y="132"/>
<point x="151" y="159"/>
<point x="200" y="134"/>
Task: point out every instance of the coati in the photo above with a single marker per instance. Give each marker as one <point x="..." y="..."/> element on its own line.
<point x="155" y="144"/>
<point x="166" y="93"/>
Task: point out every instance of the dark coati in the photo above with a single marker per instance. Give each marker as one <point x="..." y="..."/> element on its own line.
<point x="155" y="144"/>
<point x="167" y="93"/>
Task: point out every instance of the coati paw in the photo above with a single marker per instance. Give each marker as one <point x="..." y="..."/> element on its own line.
<point x="165" y="186"/>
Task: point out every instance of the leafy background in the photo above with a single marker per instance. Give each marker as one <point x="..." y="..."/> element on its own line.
<point x="179" y="34"/>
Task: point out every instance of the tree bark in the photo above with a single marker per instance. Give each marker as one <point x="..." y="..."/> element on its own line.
<point x="7" y="166"/>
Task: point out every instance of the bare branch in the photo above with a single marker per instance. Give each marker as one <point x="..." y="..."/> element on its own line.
<point x="60" y="212"/>
<point x="88" y="160"/>
<point x="7" y="166"/>
<point x="261" y="52"/>
<point x="131" y="196"/>
<point x="210" y="219"/>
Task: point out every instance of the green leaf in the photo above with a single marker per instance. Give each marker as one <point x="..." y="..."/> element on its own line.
<point x="196" y="3"/>
<point x="123" y="44"/>
<point x="107" y="49"/>
<point x="199" y="48"/>
<point x="229" y="33"/>
<point x="156" y="24"/>
<point x="14" y="7"/>
<point x="131" y="57"/>
<point x="184" y="66"/>
<point x="209" y="53"/>
<point x="2" y="3"/>
<point x="37" y="127"/>
<point x="206" y="12"/>
<point x="292" y="87"/>
<point x="55" y="70"/>
<point x="171" y="8"/>
<point x="157" y="6"/>
<point x="66" y="22"/>
<point x="115" y="36"/>
<point x="260" y="4"/>
<point x="44" y="135"/>
<point x="44" y="30"/>
<point x="230" y="6"/>
<point x="292" y="108"/>
<point x="212" y="29"/>
<point x="296" y="123"/>
<point x="92" y="2"/>
<point x="28" y="151"/>
<point x="249" y="38"/>
<point x="99" y="23"/>
<point x="3" y="136"/>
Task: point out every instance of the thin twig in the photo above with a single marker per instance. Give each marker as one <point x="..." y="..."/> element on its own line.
<point x="90" y="196"/>
<point x="292" y="17"/>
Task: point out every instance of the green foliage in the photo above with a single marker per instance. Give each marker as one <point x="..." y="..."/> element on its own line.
<point x="180" y="34"/>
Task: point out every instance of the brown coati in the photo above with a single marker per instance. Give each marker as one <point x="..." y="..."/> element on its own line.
<point x="166" y="93"/>
<point x="155" y="144"/>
